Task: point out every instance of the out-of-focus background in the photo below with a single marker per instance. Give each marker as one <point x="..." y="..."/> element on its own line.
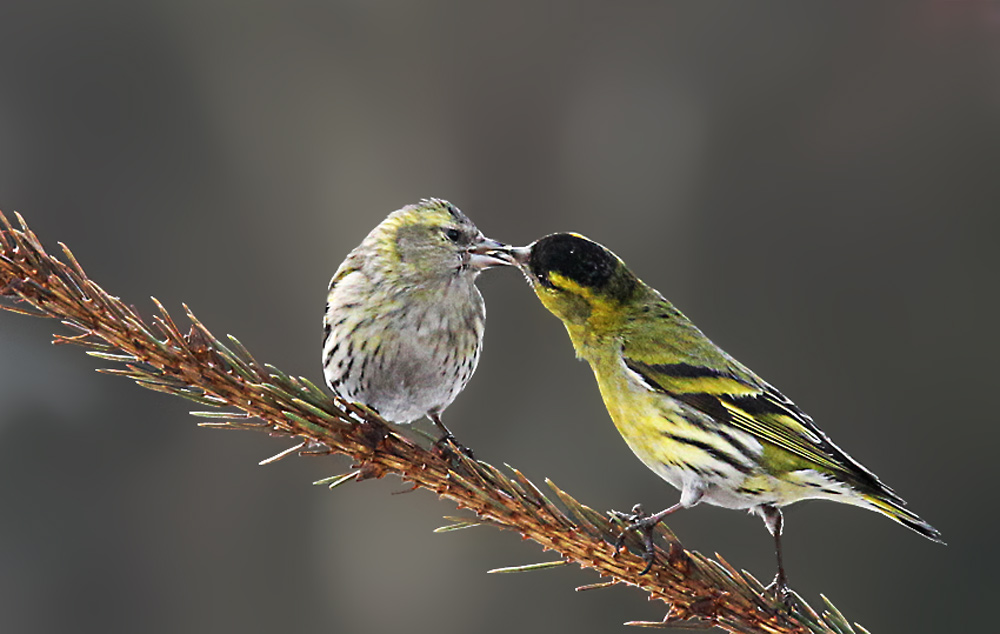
<point x="815" y="184"/>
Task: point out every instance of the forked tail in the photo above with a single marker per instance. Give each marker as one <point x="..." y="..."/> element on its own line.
<point x="895" y="509"/>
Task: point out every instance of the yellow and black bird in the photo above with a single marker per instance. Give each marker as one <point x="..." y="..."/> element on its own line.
<point x="694" y="415"/>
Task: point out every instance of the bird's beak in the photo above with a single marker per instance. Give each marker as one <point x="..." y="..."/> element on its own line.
<point x="520" y="255"/>
<point x="487" y="253"/>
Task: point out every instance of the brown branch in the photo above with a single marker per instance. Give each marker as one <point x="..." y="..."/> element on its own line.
<point x="198" y="366"/>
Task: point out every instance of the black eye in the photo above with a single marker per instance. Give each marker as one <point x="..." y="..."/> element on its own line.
<point x="453" y="234"/>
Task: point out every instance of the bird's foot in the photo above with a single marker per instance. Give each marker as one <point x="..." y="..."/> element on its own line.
<point x="779" y="590"/>
<point x="445" y="445"/>
<point x="642" y="523"/>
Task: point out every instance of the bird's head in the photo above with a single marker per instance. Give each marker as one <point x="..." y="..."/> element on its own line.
<point x="434" y="237"/>
<point x="577" y="279"/>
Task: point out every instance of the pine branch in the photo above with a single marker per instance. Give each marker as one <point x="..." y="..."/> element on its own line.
<point x="158" y="355"/>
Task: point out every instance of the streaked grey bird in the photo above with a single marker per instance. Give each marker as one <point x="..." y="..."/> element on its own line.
<point x="404" y="320"/>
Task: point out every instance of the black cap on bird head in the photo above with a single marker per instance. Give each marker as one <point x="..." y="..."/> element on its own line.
<point x="567" y="257"/>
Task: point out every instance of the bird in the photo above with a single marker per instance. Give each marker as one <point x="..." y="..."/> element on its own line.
<point x="694" y="415"/>
<point x="404" y="321"/>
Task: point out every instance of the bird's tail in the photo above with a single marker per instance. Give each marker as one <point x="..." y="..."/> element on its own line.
<point x="895" y="509"/>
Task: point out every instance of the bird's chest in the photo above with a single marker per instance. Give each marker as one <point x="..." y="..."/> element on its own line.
<point x="435" y="339"/>
<point x="427" y="354"/>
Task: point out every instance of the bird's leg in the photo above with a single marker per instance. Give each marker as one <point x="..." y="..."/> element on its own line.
<point x="447" y="437"/>
<point x="775" y="523"/>
<point x="639" y="521"/>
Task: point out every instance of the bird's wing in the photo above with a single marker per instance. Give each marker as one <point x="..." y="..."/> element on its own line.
<point x="353" y="263"/>
<point x="717" y="385"/>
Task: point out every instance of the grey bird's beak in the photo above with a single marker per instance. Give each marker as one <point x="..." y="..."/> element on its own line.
<point x="489" y="253"/>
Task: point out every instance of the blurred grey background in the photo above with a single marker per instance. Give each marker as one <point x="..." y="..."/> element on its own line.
<point x="815" y="184"/>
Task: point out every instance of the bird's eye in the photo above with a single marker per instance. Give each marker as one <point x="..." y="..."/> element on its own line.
<point x="453" y="234"/>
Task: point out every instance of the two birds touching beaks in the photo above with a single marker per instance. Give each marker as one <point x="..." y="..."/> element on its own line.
<point x="403" y="332"/>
